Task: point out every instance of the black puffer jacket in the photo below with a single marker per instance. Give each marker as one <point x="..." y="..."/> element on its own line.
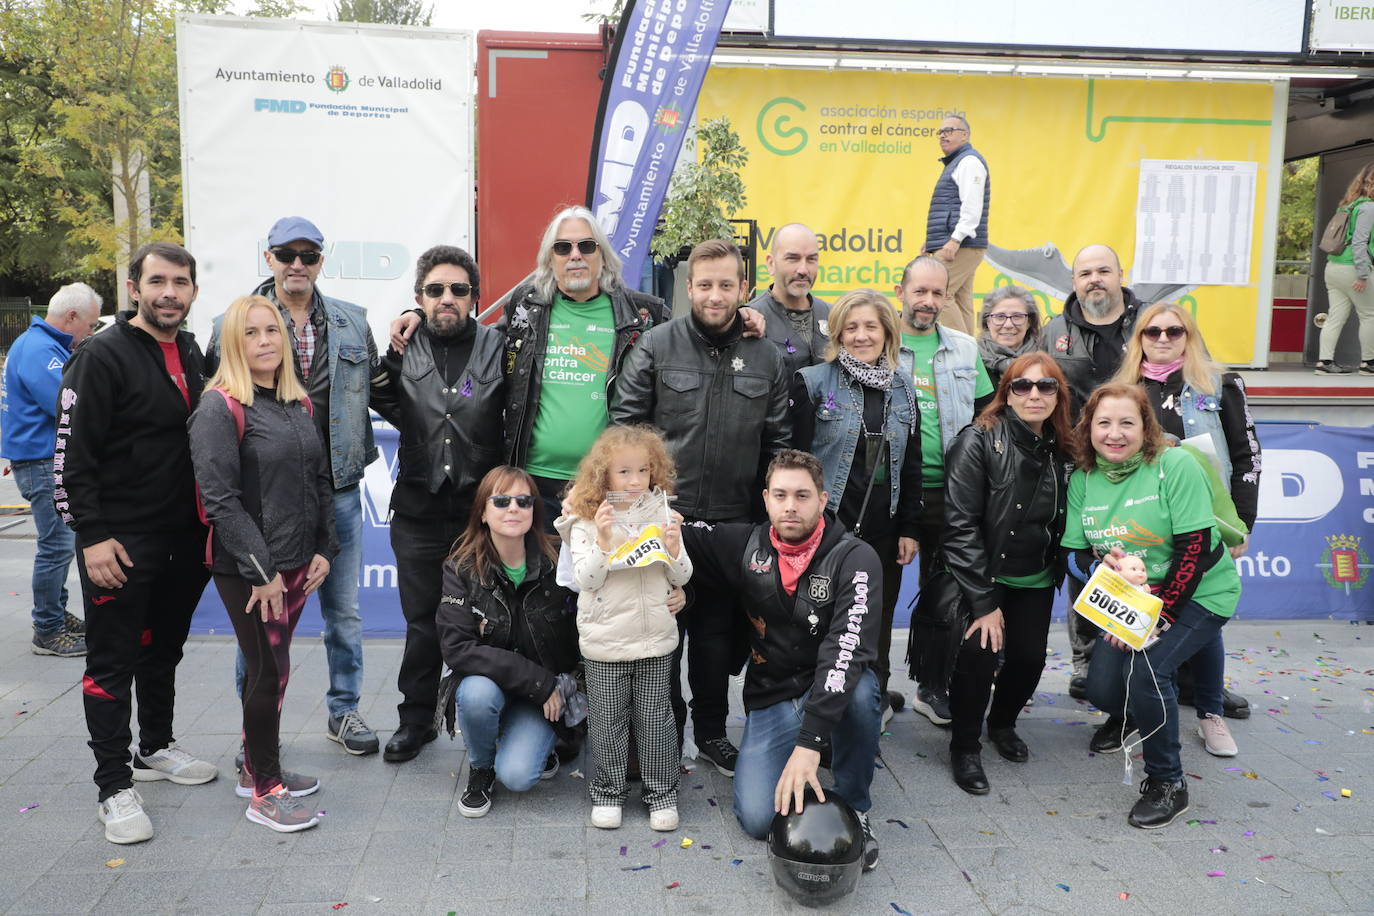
<point x="722" y="406"/>
<point x="522" y="638"/>
<point x="526" y="324"/>
<point x="1005" y="492"/>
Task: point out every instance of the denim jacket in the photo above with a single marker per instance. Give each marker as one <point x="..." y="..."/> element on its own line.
<point x="839" y="415"/>
<point x="956" y="376"/>
<point x="351" y="355"/>
<point x="1202" y="414"/>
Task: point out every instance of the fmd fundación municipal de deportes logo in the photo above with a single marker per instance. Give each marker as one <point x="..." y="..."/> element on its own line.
<point x="336" y="79"/>
<point x="1344" y="564"/>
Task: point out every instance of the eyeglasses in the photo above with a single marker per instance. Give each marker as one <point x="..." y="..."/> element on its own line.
<point x="502" y="500"/>
<point x="563" y="247"/>
<point x="946" y="131"/>
<point x="461" y="290"/>
<point x="1023" y="386"/>
<point x="1016" y="318"/>
<point x="1172" y="332"/>
<point x="287" y="255"/>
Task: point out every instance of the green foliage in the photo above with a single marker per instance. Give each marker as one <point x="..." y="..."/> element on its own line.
<point x="610" y="17"/>
<point x="703" y="195"/>
<point x="393" y="12"/>
<point x="1297" y="209"/>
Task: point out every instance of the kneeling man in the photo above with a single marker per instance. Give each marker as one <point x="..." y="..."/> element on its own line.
<point x="813" y="595"/>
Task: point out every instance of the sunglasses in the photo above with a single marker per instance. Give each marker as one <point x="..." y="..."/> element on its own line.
<point x="502" y="501"/>
<point x="287" y="255"/>
<point x="1173" y="332"/>
<point x="1016" y="318"/>
<point x="563" y="247"/>
<point x="1023" y="386"/>
<point x="461" y="290"/>
<point x="946" y="131"/>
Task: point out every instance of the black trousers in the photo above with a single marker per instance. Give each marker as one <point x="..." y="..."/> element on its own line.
<point x="134" y="640"/>
<point x="1026" y="612"/>
<point x="421" y="545"/>
<point x="931" y="527"/>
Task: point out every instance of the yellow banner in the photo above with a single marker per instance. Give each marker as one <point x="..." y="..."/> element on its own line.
<point x="854" y="155"/>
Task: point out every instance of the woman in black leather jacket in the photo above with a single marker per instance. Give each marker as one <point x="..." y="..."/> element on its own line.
<point x="1004" y="515"/>
<point x="509" y="632"/>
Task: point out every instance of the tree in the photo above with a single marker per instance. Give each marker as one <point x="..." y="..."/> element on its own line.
<point x="393" y="12"/>
<point x="1297" y="210"/>
<point x="703" y="195"/>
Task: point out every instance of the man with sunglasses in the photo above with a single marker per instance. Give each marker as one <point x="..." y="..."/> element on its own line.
<point x="952" y="387"/>
<point x="28" y="430"/>
<point x="336" y="359"/>
<point x="445" y="394"/>
<point x="1087" y="340"/>
<point x="957" y="224"/>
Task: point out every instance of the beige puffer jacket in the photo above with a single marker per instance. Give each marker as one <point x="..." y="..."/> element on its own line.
<point x="622" y="615"/>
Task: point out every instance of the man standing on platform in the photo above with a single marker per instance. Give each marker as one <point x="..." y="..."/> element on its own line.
<point x="957" y="226"/>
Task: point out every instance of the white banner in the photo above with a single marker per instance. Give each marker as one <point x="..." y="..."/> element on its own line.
<point x="1193" y="222"/>
<point x="747" y="16"/>
<point x="1342" y="25"/>
<point x="365" y="130"/>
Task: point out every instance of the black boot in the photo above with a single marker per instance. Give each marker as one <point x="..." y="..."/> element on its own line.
<point x="968" y="772"/>
<point x="1233" y="705"/>
<point x="1111" y="735"/>
<point x="1160" y="802"/>
<point x="1009" y="744"/>
<point x="405" y="744"/>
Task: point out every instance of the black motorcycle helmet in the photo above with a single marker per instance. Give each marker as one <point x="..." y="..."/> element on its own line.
<point x="817" y="854"/>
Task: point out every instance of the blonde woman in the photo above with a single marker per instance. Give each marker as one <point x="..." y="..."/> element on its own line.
<point x="857" y="413"/>
<point x="1347" y="280"/>
<point x="268" y="495"/>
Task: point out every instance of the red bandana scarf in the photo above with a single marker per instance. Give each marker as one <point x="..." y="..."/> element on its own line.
<point x="794" y="558"/>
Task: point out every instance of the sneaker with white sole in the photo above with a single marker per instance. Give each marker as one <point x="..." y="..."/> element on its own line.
<point x="870" y="843"/>
<point x="550" y="767"/>
<point x="353" y="733"/>
<point x="174" y="764"/>
<point x="476" y="798"/>
<point x="720" y="753"/>
<point x="124" y="818"/>
<point x="1216" y="737"/>
<point x="933" y="704"/>
<point x="663" y="819"/>
<point x="62" y="644"/>
<point x="280" y="811"/>
<point x="298" y="785"/>
<point x="607" y="817"/>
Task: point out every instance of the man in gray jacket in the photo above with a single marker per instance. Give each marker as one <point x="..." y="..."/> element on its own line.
<point x="796" y="320"/>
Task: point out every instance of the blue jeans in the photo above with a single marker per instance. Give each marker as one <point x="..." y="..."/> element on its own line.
<point x="1113" y="673"/>
<point x="56" y="545"/>
<point x="770" y="736"/>
<point x="508" y="733"/>
<point x="1209" y="675"/>
<point x="343" y="625"/>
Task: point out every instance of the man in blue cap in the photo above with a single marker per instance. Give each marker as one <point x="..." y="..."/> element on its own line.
<point x="336" y="360"/>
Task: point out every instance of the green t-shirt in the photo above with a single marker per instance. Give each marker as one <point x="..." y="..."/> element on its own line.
<point x="516" y="574"/>
<point x="923" y="347"/>
<point x="1143" y="513"/>
<point x="572" y="400"/>
<point x="1034" y="580"/>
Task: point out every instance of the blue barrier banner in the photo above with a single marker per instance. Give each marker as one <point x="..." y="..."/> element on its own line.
<point x="656" y="67"/>
<point x="1311" y="554"/>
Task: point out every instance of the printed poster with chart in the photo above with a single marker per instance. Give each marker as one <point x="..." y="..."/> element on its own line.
<point x="1193" y="222"/>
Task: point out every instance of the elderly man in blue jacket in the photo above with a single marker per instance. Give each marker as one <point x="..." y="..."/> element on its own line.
<point x="28" y="431"/>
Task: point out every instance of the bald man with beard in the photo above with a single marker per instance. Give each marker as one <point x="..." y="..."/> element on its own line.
<point x="796" y="320"/>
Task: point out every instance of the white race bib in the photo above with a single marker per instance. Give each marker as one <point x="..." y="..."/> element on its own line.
<point x="1118" y="607"/>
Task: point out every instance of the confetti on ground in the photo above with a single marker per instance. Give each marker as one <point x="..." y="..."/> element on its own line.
<point x="1216" y="849"/>
<point x="1265" y="858"/>
<point x="338" y="906"/>
<point x="1101" y="866"/>
<point x="1192" y="775"/>
<point x="919" y="754"/>
<point x="899" y="823"/>
<point x="712" y="802"/>
<point x="1051" y="812"/>
<point x="1324" y="832"/>
<point x="28" y="808"/>
<point x="578" y="774"/>
<point x="636" y="867"/>
<point x="1345" y="793"/>
<point x="705" y="845"/>
<point x="374" y="899"/>
<point x="624" y="850"/>
<point x="1193" y="823"/>
<point x="1248" y="833"/>
<point x="673" y="885"/>
<point x="659" y="844"/>
<point x="1330" y="795"/>
<point x="1123" y="896"/>
<point x="1063" y="887"/>
<point x="114" y="863"/>
<point x="321" y="813"/>
<point x="900" y="910"/>
<point x="1251" y="774"/>
<point x="966" y="877"/>
<point x="1213" y="823"/>
<point x="989" y="832"/>
<point x="686" y="842"/>
<point x="1216" y="874"/>
<point x="1284" y="891"/>
<point x="736" y="861"/>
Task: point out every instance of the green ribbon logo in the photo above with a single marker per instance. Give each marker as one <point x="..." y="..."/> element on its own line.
<point x="787" y="139"/>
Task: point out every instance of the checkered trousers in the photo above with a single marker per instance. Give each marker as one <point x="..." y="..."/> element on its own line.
<point x="616" y="692"/>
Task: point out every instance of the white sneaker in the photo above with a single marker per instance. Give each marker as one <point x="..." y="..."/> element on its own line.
<point x="663" y="819"/>
<point x="607" y="817"/>
<point x="175" y="764"/>
<point x="1216" y="737"/>
<point x="124" y="818"/>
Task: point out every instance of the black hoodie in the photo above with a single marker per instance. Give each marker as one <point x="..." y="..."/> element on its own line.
<point x="123" y="457"/>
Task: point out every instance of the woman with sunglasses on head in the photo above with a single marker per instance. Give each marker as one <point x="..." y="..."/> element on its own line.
<point x="1004" y="514"/>
<point x="1011" y="328"/>
<point x="509" y="632"/>
<point x="268" y="494"/>
<point x="1131" y="492"/>
<point x="1192" y="396"/>
<point x="857" y="413"/>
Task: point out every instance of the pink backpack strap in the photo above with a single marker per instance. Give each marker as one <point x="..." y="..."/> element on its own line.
<point x="235" y="410"/>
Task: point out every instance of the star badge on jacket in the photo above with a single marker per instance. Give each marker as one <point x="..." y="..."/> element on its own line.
<point x="737" y="364"/>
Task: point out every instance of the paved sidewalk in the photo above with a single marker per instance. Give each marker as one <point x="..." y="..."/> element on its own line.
<point x="1269" y="830"/>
